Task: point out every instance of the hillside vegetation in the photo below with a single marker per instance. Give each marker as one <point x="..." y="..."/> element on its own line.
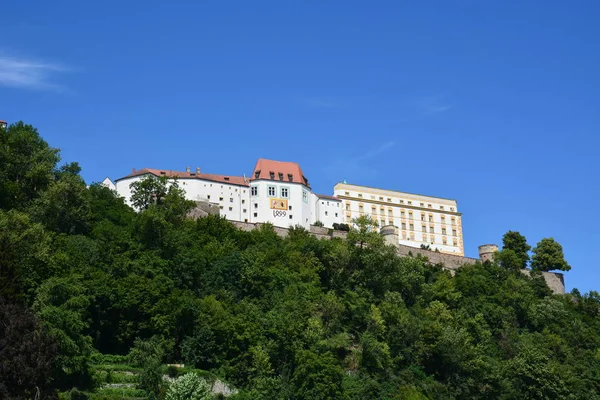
<point x="93" y="293"/>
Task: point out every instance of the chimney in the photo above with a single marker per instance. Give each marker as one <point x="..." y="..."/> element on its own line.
<point x="187" y="169"/>
<point x="197" y="170"/>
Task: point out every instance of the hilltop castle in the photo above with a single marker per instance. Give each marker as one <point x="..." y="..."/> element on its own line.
<point x="278" y="192"/>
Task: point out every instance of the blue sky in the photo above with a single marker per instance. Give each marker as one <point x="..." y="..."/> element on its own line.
<point x="493" y="103"/>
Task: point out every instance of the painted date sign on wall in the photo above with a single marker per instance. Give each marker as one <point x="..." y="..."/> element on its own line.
<point x="279" y="207"/>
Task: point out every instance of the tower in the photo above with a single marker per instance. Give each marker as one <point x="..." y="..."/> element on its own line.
<point x="486" y="252"/>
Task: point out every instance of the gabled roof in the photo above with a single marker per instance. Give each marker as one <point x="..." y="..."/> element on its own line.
<point x="324" y="196"/>
<point x="283" y="171"/>
<point x="232" y="180"/>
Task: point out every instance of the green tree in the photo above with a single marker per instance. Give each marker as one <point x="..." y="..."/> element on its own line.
<point x="27" y="354"/>
<point x="27" y="165"/>
<point x="515" y="249"/>
<point x="548" y="256"/>
<point x="317" y="376"/>
<point x="62" y="304"/>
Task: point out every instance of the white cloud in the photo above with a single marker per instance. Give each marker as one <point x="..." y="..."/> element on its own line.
<point x="29" y="74"/>
<point x="433" y="104"/>
<point x="375" y="152"/>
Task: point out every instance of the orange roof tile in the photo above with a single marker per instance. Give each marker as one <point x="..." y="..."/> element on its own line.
<point x="279" y="171"/>
<point x="233" y="180"/>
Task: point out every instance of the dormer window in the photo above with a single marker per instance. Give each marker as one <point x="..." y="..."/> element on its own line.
<point x="226" y="178"/>
<point x="256" y="174"/>
<point x="281" y="176"/>
<point x="272" y="174"/>
<point x="290" y="177"/>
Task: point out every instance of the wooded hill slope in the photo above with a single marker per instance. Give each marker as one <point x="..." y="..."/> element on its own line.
<point x="81" y="273"/>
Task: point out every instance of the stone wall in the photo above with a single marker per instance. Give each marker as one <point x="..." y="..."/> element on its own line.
<point x="555" y="280"/>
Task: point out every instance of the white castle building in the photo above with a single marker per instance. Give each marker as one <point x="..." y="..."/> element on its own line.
<point x="279" y="193"/>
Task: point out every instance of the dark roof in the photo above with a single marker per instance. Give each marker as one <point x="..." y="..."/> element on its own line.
<point x="233" y="180"/>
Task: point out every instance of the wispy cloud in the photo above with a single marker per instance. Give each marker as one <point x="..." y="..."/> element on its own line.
<point x="375" y="152"/>
<point x="357" y="167"/>
<point x="436" y="104"/>
<point x="29" y="74"/>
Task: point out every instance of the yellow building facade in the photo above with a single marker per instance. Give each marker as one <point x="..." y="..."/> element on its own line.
<point x="420" y="220"/>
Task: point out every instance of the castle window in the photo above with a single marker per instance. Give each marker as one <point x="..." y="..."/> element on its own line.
<point x="220" y="207"/>
<point x="444" y="240"/>
<point x="271" y="174"/>
<point x="453" y="221"/>
<point x="280" y="176"/>
<point x="220" y="199"/>
<point x="453" y="232"/>
<point x="253" y="191"/>
<point x="441" y="207"/>
<point x="255" y="215"/>
<point x="410" y="215"/>
<point x="404" y="225"/>
<point x="401" y="201"/>
<point x="304" y="196"/>
<point x="431" y="229"/>
<point x="432" y="239"/>
<point x="402" y="213"/>
<point x="424" y="228"/>
<point x="325" y="213"/>
<point x="290" y="208"/>
<point x="243" y="201"/>
<point x="291" y="217"/>
<point x="208" y="197"/>
<point x="443" y="231"/>
<point x="257" y="174"/>
<point x="272" y="191"/>
<point x="360" y="195"/>
<point x="429" y="205"/>
<point x="422" y="217"/>
<point x="336" y="214"/>
<point x="373" y="210"/>
<point x="290" y="177"/>
<point x="424" y="238"/>
<point x="381" y="199"/>
<point x="230" y="208"/>
<point x="389" y="200"/>
<point x="284" y="192"/>
<point x="404" y="235"/>
<point x="381" y="211"/>
<point x="255" y="205"/>
<point x="422" y="204"/>
<point x="347" y="193"/>
<point x="231" y="199"/>
<point x="245" y="211"/>
<point x="412" y="227"/>
<point x="431" y="218"/>
<point x="455" y="242"/>
<point x="347" y="206"/>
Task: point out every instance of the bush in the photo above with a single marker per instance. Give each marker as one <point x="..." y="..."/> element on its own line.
<point x="189" y="387"/>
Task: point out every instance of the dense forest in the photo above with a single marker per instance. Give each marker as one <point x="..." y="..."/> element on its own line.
<point x="85" y="279"/>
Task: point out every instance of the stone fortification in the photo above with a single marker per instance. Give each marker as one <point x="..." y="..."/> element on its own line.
<point x="555" y="280"/>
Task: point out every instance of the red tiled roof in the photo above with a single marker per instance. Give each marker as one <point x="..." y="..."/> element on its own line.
<point x="324" y="196"/>
<point x="279" y="171"/>
<point x="233" y="180"/>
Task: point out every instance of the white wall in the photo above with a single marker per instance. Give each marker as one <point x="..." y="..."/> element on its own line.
<point x="327" y="211"/>
<point x="298" y="212"/>
<point x="233" y="200"/>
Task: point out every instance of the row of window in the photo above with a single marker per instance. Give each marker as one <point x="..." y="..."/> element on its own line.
<point x="431" y="239"/>
<point x="402" y="214"/>
<point x="401" y="201"/>
<point x="284" y="192"/>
